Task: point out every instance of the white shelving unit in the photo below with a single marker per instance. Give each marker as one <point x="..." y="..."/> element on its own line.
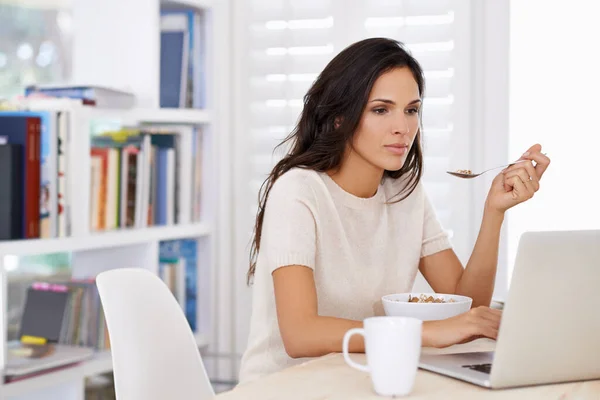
<point x="100" y="364"/>
<point x="94" y="252"/>
<point x="203" y="4"/>
<point x="136" y="46"/>
<point x="104" y="240"/>
<point x="157" y="116"/>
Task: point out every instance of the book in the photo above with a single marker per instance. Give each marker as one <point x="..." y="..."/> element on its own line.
<point x="99" y="96"/>
<point x="174" y="60"/>
<point x="196" y="69"/>
<point x="48" y="161"/>
<point x="11" y="191"/>
<point x="171" y="252"/>
<point x="25" y="130"/>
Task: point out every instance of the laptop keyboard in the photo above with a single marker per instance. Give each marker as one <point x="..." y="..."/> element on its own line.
<point x="485" y="368"/>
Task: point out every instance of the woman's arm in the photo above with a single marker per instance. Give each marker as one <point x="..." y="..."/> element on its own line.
<point x="306" y="334"/>
<point x="445" y="274"/>
<point x="513" y="186"/>
<point x="478" y="278"/>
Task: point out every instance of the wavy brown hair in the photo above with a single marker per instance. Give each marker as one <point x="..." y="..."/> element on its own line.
<point x="333" y="107"/>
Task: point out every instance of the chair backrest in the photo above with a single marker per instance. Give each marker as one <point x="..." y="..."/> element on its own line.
<point x="154" y="352"/>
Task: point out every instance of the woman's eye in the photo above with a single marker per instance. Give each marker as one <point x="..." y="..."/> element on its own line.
<point x="379" y="111"/>
<point x="412" y="111"/>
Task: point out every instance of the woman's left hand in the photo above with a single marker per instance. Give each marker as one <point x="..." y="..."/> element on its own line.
<point x="519" y="182"/>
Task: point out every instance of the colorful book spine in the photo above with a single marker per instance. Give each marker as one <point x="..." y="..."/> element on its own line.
<point x="186" y="249"/>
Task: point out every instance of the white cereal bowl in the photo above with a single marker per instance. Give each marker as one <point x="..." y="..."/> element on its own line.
<point x="398" y="305"/>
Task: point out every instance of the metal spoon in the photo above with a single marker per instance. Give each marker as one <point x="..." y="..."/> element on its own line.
<point x="466" y="175"/>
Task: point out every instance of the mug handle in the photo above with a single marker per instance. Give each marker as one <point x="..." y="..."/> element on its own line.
<point x="347" y="336"/>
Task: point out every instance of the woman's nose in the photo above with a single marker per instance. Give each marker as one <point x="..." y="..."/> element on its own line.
<point x="401" y="125"/>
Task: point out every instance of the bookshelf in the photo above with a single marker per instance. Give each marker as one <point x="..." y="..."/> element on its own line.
<point x="104" y="240"/>
<point x="96" y="251"/>
<point x="156" y="116"/>
<point x="202" y="4"/>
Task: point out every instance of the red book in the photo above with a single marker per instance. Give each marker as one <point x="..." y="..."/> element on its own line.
<point x="32" y="178"/>
<point x="102" y="153"/>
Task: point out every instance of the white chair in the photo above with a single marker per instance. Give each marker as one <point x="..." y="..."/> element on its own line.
<point x="154" y="352"/>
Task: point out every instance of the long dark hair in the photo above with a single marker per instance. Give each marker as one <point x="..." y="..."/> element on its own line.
<point x="333" y="107"/>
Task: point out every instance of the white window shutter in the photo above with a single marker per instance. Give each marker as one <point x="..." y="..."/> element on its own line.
<point x="290" y="43"/>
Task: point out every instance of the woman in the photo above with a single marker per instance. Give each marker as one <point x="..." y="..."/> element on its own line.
<point x="343" y="218"/>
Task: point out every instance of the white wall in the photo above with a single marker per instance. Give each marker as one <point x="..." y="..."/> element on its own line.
<point x="555" y="100"/>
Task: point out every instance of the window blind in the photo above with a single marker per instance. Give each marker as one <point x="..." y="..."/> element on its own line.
<point x="290" y="42"/>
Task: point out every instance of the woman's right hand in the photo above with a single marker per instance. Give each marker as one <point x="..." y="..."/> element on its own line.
<point x="476" y="323"/>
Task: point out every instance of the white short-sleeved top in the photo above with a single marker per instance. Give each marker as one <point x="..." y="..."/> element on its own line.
<point x="359" y="249"/>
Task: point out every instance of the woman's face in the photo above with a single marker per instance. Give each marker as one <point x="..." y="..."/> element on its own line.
<point x="390" y="120"/>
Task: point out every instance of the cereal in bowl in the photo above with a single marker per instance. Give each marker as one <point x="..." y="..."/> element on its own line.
<point x="427" y="299"/>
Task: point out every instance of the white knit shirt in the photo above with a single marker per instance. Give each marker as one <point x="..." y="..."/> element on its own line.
<point x="359" y="249"/>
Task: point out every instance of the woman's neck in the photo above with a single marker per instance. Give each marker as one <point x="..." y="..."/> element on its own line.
<point x="357" y="176"/>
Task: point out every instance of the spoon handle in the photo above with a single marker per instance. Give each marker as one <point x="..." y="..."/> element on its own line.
<point x="509" y="165"/>
<point x="505" y="166"/>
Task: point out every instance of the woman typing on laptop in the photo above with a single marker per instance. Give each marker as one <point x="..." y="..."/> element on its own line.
<point x="343" y="218"/>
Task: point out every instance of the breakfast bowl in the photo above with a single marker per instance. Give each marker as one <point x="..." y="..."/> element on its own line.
<point x="425" y="306"/>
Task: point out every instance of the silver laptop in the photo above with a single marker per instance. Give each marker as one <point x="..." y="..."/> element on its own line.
<point x="550" y="327"/>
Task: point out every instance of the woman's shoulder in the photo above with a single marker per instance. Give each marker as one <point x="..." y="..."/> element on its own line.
<point x="297" y="182"/>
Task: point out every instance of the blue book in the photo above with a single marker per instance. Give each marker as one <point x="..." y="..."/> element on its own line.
<point x="196" y="85"/>
<point x="75" y="92"/>
<point x="188" y="250"/>
<point x="174" y="56"/>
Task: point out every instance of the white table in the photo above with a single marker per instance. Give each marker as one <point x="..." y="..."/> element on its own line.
<point x="329" y="377"/>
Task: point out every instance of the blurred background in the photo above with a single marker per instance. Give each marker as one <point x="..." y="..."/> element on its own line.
<point x="500" y="76"/>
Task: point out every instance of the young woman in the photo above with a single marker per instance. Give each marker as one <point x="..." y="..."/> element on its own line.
<point x="343" y="217"/>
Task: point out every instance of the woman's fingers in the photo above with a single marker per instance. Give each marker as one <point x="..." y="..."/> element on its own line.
<point x="486" y="321"/>
<point x="493" y="318"/>
<point x="530" y="171"/>
<point x="483" y="328"/>
<point x="542" y="162"/>
<point x="477" y="311"/>
<point x="489" y="332"/>
<point x="532" y="174"/>
<point x="527" y="180"/>
<point x="519" y="190"/>
<point x="511" y="171"/>
<point x="476" y="323"/>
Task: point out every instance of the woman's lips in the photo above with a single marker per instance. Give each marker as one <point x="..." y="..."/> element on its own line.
<point x="398" y="148"/>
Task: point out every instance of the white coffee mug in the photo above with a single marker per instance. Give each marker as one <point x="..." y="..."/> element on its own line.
<point x="393" y="348"/>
